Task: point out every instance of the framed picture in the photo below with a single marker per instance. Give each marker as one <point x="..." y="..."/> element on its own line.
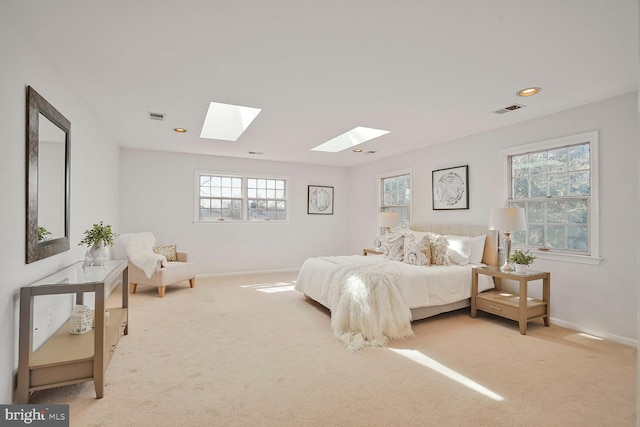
<point x="320" y="200"/>
<point x="451" y="188"/>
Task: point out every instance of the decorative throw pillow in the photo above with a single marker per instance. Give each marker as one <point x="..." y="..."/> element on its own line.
<point x="438" y="245"/>
<point x="394" y="245"/>
<point x="168" y="251"/>
<point x="415" y="252"/>
<point x="459" y="249"/>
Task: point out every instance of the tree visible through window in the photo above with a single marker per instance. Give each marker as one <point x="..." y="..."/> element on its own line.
<point x="396" y="197"/>
<point x="241" y="198"/>
<point x="220" y="197"/>
<point x="554" y="187"/>
<point x="266" y="198"/>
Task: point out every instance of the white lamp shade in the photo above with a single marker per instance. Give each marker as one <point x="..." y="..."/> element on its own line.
<point x="507" y="219"/>
<point x="387" y="219"/>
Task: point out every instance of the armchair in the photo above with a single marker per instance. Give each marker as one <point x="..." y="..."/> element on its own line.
<point x="159" y="267"/>
<point x="170" y="273"/>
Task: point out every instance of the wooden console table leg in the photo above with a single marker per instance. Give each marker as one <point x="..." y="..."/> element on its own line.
<point x="546" y="297"/>
<point x="25" y="342"/>
<point x="522" y="309"/>
<point x="98" y="356"/>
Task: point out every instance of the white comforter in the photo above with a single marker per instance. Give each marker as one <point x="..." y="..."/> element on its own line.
<point x="419" y="286"/>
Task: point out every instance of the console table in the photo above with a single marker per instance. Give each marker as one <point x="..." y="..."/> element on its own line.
<point x="65" y="358"/>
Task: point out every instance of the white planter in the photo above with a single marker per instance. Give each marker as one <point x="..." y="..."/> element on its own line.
<point x="521" y="268"/>
<point x="96" y="255"/>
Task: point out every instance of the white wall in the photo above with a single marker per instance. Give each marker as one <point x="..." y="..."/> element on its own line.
<point x="157" y="191"/>
<point x="94" y="181"/>
<point x="598" y="299"/>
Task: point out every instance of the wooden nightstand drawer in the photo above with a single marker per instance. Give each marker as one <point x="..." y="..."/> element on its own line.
<point x="491" y="302"/>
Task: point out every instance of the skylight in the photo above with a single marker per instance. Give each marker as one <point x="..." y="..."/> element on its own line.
<point x="350" y="139"/>
<point x="226" y="121"/>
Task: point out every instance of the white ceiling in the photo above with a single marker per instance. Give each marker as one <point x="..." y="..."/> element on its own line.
<point x="428" y="71"/>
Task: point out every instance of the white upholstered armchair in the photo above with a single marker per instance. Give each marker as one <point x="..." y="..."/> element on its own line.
<point x="155" y="266"/>
<point x="165" y="274"/>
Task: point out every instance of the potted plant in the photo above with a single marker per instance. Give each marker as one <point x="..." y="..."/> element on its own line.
<point x="522" y="259"/>
<point x="42" y="233"/>
<point x="97" y="239"/>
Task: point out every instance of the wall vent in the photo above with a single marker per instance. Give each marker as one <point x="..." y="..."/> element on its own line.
<point x="156" y="116"/>
<point x="513" y="107"/>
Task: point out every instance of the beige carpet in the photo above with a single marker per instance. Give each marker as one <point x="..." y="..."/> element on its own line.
<point x="250" y="351"/>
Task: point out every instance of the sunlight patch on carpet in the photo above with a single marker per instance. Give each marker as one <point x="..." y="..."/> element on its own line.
<point x="270" y="288"/>
<point x="421" y="359"/>
<point x="592" y="337"/>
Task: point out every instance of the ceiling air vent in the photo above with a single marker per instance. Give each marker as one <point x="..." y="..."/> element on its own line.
<point x="509" y="108"/>
<point x="156" y="116"/>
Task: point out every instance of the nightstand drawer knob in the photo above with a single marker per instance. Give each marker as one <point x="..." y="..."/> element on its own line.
<point x="495" y="308"/>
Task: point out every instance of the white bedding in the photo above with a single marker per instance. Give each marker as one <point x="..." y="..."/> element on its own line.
<point x="420" y="286"/>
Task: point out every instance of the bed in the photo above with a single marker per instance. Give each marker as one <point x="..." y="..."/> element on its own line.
<point x="421" y="291"/>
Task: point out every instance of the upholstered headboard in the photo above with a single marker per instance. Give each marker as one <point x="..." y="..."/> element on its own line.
<point x="490" y="256"/>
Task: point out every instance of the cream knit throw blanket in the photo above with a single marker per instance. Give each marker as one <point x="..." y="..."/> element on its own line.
<point x="366" y="307"/>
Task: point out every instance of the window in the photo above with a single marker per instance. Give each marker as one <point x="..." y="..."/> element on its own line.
<point x="236" y="197"/>
<point x="267" y="198"/>
<point x="555" y="182"/>
<point x="395" y="195"/>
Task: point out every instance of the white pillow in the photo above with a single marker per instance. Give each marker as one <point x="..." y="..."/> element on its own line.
<point x="459" y="249"/>
<point x="477" y="249"/>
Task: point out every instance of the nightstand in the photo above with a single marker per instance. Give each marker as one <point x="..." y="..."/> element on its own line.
<point x="509" y="305"/>
<point x="365" y="252"/>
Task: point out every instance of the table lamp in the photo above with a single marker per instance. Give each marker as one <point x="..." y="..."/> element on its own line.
<point x="387" y="220"/>
<point x="507" y="220"/>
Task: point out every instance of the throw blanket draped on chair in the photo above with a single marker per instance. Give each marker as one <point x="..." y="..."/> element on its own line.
<point x="368" y="309"/>
<point x="139" y="248"/>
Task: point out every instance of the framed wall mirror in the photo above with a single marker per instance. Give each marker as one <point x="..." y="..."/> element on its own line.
<point x="48" y="179"/>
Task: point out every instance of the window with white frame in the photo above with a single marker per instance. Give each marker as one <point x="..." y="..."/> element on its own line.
<point x="556" y="184"/>
<point x="237" y="197"/>
<point x="395" y="195"/>
<point x="267" y="198"/>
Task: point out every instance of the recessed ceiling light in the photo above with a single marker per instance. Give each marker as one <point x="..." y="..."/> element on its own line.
<point x="180" y="130"/>
<point x="350" y="139"/>
<point x="357" y="150"/>
<point x="530" y="91"/>
<point x="226" y="121"/>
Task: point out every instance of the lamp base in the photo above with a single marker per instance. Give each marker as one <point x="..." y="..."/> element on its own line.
<point x="507" y="268"/>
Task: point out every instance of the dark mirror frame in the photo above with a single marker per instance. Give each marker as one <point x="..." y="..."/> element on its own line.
<point x="36" y="250"/>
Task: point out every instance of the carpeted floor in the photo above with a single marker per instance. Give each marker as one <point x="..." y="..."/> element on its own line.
<point x="251" y="351"/>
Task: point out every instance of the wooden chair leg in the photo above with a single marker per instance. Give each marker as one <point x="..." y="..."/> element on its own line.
<point x="161" y="290"/>
<point x="192" y="282"/>
<point x="132" y="287"/>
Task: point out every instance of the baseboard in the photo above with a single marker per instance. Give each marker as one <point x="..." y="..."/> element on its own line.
<point x="246" y="273"/>
<point x="605" y="335"/>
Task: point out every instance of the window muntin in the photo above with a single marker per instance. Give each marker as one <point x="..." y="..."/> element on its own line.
<point x="241" y="198"/>
<point x="396" y="197"/>
<point x="554" y="188"/>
